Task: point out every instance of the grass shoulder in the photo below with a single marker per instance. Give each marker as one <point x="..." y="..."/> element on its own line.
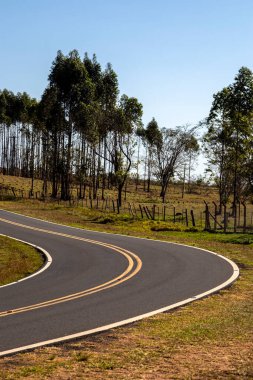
<point x="17" y="260"/>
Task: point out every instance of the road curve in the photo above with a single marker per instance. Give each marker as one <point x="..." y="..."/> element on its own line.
<point x="97" y="281"/>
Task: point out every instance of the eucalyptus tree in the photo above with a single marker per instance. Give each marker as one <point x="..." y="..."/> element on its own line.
<point x="74" y="89"/>
<point x="140" y="132"/>
<point x="9" y="118"/>
<point x="229" y="138"/>
<point x="125" y="120"/>
<point x="92" y="122"/>
<point x="52" y="122"/>
<point x="170" y="150"/>
<point x="109" y="105"/>
<point x="28" y="117"/>
<point x="152" y="139"/>
<point x="193" y="149"/>
<point x="241" y="116"/>
<point x="218" y="141"/>
<point x="4" y="121"/>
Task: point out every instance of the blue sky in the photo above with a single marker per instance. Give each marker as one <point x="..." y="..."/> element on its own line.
<point x="173" y="55"/>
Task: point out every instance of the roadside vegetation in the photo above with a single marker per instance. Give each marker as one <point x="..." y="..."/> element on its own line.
<point x="17" y="260"/>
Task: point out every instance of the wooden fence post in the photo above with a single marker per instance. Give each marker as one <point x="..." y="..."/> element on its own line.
<point x="244" y="217"/>
<point x="130" y="209"/>
<point x="225" y="217"/>
<point x="150" y="214"/>
<point x="153" y="212"/>
<point x="193" y="219"/>
<point x="215" y="216"/>
<point x="239" y="215"/>
<point x="146" y="212"/>
<point x="135" y="212"/>
<point x="141" y="211"/>
<point x="207" y="218"/>
<point x="164" y="213"/>
<point x="158" y="212"/>
<point x="186" y="217"/>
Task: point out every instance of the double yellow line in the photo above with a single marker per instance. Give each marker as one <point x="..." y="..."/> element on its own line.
<point x="134" y="266"/>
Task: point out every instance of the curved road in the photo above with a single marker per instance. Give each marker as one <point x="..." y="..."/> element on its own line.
<point x="97" y="281"/>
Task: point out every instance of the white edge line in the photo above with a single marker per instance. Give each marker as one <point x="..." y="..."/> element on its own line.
<point x="44" y="267"/>
<point x="97" y="330"/>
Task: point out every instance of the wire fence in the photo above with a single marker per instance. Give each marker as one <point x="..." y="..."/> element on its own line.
<point x="208" y="216"/>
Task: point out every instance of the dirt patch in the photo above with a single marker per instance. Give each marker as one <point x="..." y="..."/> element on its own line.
<point x="120" y="355"/>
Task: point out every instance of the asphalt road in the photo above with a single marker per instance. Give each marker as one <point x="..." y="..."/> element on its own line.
<point x="98" y="281"/>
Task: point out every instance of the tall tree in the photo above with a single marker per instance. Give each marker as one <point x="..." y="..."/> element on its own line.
<point x="74" y="89"/>
<point x="120" y="150"/>
<point x="170" y="151"/>
<point x="229" y="137"/>
<point x="152" y="138"/>
<point x="52" y="123"/>
<point x="109" y="104"/>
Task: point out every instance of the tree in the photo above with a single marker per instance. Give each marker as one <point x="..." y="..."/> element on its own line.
<point x="229" y="138"/>
<point x="170" y="151"/>
<point x="126" y="120"/>
<point x="74" y="90"/>
<point x="51" y="119"/>
<point x="241" y="117"/>
<point x="152" y="139"/>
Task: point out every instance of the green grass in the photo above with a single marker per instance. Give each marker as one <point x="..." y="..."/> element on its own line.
<point x="17" y="260"/>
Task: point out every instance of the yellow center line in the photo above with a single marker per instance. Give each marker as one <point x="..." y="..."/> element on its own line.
<point x="133" y="261"/>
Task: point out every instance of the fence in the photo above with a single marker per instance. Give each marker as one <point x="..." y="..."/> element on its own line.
<point x="210" y="217"/>
<point x="229" y="218"/>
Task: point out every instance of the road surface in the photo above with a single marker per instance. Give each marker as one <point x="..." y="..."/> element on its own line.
<point x="97" y="281"/>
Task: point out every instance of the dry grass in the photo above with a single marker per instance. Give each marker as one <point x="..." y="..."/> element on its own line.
<point x="196" y="195"/>
<point x="193" y="200"/>
<point x="19" y="183"/>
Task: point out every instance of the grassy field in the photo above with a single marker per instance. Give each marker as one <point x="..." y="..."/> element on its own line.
<point x="17" y="260"/>
<point x="197" y="194"/>
<point x="208" y="339"/>
<point x="191" y="205"/>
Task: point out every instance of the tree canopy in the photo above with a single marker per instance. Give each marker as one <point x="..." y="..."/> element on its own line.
<point x="229" y="137"/>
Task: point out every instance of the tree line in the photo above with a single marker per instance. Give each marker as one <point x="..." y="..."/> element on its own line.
<point x="83" y="132"/>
